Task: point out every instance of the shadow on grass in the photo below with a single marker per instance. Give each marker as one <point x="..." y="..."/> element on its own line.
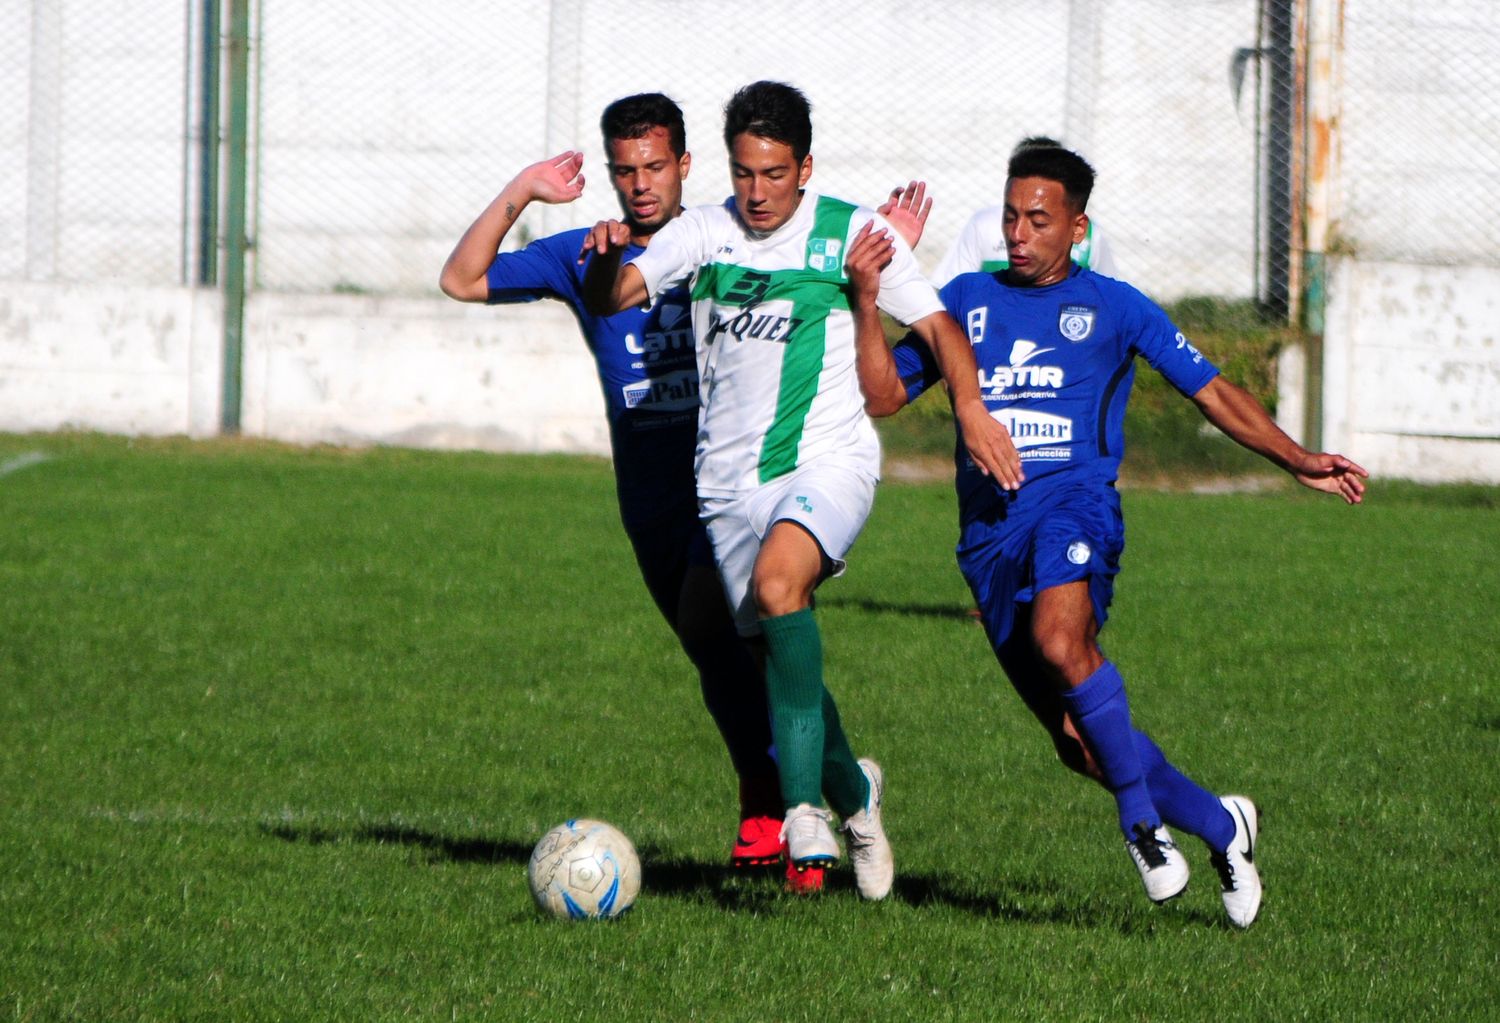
<point x="760" y="890"/>
<point x="954" y="612"/>
<point x="441" y="847"/>
<point x="1036" y="902"/>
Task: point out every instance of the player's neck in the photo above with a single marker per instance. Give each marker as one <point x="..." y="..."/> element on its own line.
<point x="641" y="234"/>
<point x="1043" y="280"/>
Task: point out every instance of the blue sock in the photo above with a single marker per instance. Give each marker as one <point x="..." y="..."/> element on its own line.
<point x="1184" y="804"/>
<point x="1102" y="716"/>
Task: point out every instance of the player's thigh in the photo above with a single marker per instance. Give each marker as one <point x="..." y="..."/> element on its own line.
<point x="994" y="559"/>
<point x="1075" y="557"/>
<point x="829" y="501"/>
<point x="702" y="610"/>
<point x="663" y="543"/>
<point x="789" y="567"/>
<point x="736" y="543"/>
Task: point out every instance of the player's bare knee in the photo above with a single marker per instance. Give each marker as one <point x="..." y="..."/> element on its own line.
<point x="777" y="594"/>
<point x="1065" y="651"/>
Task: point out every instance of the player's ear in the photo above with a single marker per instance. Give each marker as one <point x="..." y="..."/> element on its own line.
<point x="1080" y="228"/>
<point x="805" y="171"/>
<point x="684" y="164"/>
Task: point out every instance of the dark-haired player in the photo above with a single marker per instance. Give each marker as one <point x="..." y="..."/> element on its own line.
<point x="1056" y="347"/>
<point x="787" y="459"/>
<point x="647" y="372"/>
<point x="980" y="245"/>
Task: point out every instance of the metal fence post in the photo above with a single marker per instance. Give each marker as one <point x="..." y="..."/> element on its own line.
<point x="237" y="45"/>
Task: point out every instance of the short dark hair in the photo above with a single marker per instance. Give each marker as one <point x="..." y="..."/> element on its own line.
<point x="1036" y="142"/>
<point x="634" y="116"/>
<point x="1055" y="163"/>
<point x="770" y="110"/>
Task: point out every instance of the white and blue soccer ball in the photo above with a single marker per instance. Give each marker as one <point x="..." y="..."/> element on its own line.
<point x="584" y="870"/>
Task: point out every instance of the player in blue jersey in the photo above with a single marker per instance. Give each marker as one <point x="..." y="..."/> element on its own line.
<point x="649" y="377"/>
<point x="1055" y="346"/>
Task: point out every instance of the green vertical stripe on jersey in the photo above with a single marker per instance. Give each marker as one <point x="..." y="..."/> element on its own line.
<point x="802" y="364"/>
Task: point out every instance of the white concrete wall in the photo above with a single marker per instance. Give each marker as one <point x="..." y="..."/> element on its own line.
<point x="121" y="359"/>
<point x="1412" y="369"/>
<point x="422" y="373"/>
<point x="335" y="369"/>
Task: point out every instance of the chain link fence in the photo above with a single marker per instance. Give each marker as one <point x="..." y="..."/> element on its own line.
<point x="378" y="129"/>
<point x="1420" y="132"/>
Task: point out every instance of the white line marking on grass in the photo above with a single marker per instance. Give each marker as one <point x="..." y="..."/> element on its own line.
<point x="24" y="461"/>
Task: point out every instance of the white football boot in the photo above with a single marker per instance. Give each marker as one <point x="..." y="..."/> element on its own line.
<point x="1238" y="877"/>
<point x="1163" y="869"/>
<point x="809" y="836"/>
<point x="869" y="850"/>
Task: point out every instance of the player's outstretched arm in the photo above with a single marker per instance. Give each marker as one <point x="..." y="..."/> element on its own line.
<point x="988" y="442"/>
<point x="870" y="252"/>
<point x="906" y="211"/>
<point x="1235" y="411"/>
<point x="556" y="180"/>
<point x="607" y="286"/>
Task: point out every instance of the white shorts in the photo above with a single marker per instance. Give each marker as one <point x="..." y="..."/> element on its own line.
<point x="828" y="499"/>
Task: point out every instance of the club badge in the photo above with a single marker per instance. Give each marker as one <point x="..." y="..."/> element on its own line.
<point x="823" y="255"/>
<point x="1076" y="322"/>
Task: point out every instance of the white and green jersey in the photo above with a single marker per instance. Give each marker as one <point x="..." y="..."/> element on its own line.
<point x="980" y="247"/>
<point x="775" y="338"/>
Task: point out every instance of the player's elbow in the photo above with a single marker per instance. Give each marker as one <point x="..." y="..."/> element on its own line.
<point x="885" y="403"/>
<point x="452" y="284"/>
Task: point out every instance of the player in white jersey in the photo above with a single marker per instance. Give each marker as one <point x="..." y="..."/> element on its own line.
<point x="980" y="246"/>
<point x="787" y="459"/>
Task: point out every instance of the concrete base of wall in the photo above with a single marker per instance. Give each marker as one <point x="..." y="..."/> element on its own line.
<point x="1411" y="369"/>
<point x="340" y="369"/>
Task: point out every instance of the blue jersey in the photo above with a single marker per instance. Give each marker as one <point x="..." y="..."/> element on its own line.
<point x="1056" y="365"/>
<point x="646" y="364"/>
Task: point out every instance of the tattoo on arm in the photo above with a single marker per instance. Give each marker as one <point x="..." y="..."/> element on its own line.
<point x="510" y="211"/>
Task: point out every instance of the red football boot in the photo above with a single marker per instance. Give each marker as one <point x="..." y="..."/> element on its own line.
<point x="758" y="843"/>
<point x="802" y="881"/>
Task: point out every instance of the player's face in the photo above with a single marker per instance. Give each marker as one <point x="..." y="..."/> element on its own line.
<point x="767" y="180"/>
<point x="1041" y="229"/>
<point x="647" y="177"/>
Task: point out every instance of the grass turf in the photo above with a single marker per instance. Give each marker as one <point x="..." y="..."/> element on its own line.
<point x="281" y="726"/>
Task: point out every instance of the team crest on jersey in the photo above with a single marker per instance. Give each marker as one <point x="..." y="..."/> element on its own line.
<point x="1076" y="322"/>
<point x="823" y="254"/>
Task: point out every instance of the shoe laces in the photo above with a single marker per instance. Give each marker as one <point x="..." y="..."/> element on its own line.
<point x="1151" y="850"/>
<point x="805" y="819"/>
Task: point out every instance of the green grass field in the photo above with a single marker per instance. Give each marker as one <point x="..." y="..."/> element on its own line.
<point x="278" y="729"/>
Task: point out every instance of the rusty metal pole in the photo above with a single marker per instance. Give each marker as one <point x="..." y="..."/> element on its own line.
<point x="1325" y="24"/>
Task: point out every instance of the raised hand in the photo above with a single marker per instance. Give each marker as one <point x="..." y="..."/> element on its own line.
<point x="907" y="211"/>
<point x="558" y="179"/>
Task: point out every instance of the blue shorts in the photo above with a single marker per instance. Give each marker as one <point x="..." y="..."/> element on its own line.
<point x="1038" y="539"/>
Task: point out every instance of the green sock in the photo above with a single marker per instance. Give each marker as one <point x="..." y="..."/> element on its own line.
<point x="844" y="783"/>
<point x="811" y="748"/>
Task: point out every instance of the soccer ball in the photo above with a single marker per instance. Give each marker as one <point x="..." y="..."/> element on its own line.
<point x="584" y="870"/>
